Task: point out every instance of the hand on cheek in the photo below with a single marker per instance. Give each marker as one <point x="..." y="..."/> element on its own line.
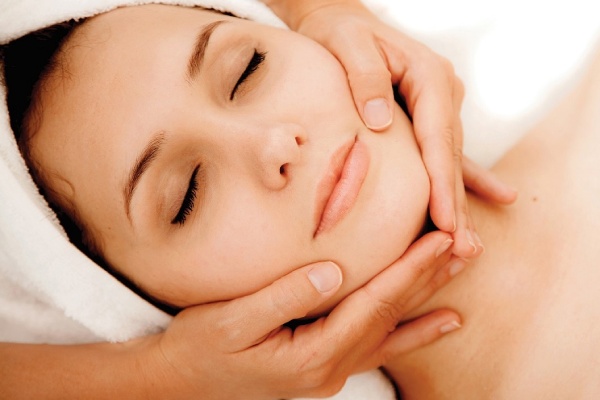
<point x="242" y="346"/>
<point x="377" y="56"/>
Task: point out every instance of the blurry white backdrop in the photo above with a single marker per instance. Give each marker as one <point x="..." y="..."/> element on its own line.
<point x="515" y="57"/>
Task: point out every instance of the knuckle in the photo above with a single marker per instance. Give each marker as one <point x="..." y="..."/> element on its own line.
<point x="286" y="299"/>
<point x="433" y="139"/>
<point x="447" y="65"/>
<point x="446" y="138"/>
<point x="389" y="312"/>
<point x="458" y="155"/>
<point x="227" y="329"/>
<point x="315" y="374"/>
<point x="417" y="269"/>
<point x="368" y="73"/>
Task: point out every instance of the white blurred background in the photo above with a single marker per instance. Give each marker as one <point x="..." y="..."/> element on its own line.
<point x="515" y="57"/>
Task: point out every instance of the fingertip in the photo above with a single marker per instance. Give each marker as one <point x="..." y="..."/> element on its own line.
<point x="467" y="244"/>
<point x="377" y="114"/>
<point x="444" y="220"/>
<point x="450" y="326"/>
<point x="325" y="277"/>
<point x="510" y="195"/>
<point x="445" y="320"/>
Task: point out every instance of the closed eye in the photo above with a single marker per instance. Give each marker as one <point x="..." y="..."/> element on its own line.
<point x="254" y="63"/>
<point x="187" y="205"/>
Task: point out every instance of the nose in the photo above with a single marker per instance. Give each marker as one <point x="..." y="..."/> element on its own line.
<point x="278" y="154"/>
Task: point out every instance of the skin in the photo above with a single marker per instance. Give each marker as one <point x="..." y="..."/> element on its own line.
<point x="514" y="355"/>
<point x="317" y="361"/>
<point x="262" y="156"/>
<point x="375" y="54"/>
<point x="530" y="303"/>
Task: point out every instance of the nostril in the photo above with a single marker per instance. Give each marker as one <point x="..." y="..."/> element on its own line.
<point x="282" y="169"/>
<point x="299" y="140"/>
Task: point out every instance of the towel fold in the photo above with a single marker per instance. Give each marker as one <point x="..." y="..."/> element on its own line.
<point x="49" y="291"/>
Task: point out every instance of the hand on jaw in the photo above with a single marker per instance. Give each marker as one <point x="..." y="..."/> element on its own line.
<point x="375" y="56"/>
<point x="315" y="359"/>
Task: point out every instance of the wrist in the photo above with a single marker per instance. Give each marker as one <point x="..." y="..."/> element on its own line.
<point x="157" y="375"/>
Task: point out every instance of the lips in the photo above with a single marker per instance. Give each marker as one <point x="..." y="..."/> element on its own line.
<point x="339" y="188"/>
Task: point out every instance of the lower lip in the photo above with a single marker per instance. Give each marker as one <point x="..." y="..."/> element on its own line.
<point x="346" y="190"/>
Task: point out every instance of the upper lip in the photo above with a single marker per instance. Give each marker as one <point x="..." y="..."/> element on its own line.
<point x="330" y="179"/>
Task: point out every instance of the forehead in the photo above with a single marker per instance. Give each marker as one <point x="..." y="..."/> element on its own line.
<point x="113" y="66"/>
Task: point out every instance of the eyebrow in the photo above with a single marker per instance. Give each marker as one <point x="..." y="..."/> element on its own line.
<point x="199" y="51"/>
<point x="142" y="163"/>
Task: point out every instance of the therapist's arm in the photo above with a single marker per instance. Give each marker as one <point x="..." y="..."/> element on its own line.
<point x="241" y="349"/>
<point x="375" y="56"/>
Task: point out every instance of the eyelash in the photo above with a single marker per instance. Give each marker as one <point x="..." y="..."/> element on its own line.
<point x="255" y="62"/>
<point x="187" y="205"/>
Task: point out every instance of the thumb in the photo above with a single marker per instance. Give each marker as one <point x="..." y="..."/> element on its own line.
<point x="369" y="78"/>
<point x="290" y="297"/>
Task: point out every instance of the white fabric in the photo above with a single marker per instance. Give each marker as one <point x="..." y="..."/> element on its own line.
<point x="50" y="292"/>
<point x="37" y="264"/>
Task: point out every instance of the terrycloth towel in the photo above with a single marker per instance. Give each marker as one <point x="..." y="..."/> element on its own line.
<point x="39" y="269"/>
<point x="49" y="291"/>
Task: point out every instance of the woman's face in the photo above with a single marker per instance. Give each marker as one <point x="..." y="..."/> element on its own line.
<point x="210" y="155"/>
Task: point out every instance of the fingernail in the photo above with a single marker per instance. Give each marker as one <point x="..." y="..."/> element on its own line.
<point x="445" y="246"/>
<point x="471" y="240"/>
<point x="451" y="326"/>
<point x="456" y="266"/>
<point x="377" y="114"/>
<point x="325" y="276"/>
<point x="478" y="241"/>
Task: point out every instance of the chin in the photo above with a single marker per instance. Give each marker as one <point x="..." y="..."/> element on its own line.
<point x="390" y="213"/>
<point x="371" y="244"/>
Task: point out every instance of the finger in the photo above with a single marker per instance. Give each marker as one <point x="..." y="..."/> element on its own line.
<point x="467" y="243"/>
<point x="250" y="319"/>
<point x="418" y="333"/>
<point x="379" y="306"/>
<point x="486" y="184"/>
<point x="429" y="97"/>
<point x="430" y="280"/>
<point x="438" y="280"/>
<point x="368" y="76"/>
<point x="359" y="324"/>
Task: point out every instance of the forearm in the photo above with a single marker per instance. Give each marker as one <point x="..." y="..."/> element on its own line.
<point x="292" y="12"/>
<point x="91" y="371"/>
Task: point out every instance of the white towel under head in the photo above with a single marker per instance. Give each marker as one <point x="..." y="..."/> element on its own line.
<point x="34" y="255"/>
<point x="49" y="291"/>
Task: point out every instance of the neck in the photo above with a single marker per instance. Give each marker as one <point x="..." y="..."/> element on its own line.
<point x="496" y="292"/>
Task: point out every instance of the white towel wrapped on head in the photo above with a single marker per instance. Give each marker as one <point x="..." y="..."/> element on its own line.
<point x="49" y="291"/>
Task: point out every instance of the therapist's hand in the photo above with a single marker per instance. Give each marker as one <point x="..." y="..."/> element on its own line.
<point x="242" y="349"/>
<point x="375" y="56"/>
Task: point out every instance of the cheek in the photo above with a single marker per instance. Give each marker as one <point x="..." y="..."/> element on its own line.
<point x="315" y="82"/>
<point x="390" y="214"/>
<point x="249" y="247"/>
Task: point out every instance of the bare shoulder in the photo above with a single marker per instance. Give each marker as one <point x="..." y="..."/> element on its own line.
<point x="556" y="169"/>
<point x="565" y="144"/>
